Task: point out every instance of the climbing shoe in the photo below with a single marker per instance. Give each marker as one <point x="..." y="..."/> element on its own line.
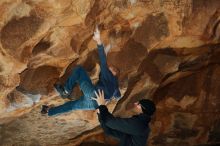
<point x="60" y="89"/>
<point x="44" y="109"/>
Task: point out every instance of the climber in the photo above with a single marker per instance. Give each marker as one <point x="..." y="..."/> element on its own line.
<point x="132" y="131"/>
<point x="107" y="81"/>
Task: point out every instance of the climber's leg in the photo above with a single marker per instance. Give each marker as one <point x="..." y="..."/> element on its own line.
<point x="81" y="104"/>
<point x="78" y="75"/>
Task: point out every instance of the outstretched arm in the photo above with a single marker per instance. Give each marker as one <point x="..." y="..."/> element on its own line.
<point x="101" y="51"/>
<point x="102" y="56"/>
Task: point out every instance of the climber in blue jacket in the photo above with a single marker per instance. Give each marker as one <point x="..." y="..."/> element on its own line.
<point x="108" y="82"/>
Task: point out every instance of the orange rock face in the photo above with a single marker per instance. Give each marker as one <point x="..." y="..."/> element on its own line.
<point x="166" y="50"/>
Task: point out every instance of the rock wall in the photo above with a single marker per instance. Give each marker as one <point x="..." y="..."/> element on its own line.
<point x="166" y="50"/>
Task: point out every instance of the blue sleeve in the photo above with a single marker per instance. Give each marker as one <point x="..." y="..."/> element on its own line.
<point x="105" y="72"/>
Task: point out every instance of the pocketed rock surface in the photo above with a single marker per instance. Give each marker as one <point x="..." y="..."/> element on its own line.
<point x="166" y="50"/>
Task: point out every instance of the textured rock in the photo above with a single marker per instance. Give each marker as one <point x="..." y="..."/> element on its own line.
<point x="166" y="50"/>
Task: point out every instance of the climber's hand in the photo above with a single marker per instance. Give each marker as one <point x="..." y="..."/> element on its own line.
<point x="100" y="97"/>
<point x="96" y="36"/>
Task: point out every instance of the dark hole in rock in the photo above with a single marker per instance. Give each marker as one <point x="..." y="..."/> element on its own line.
<point x="153" y="28"/>
<point x="185" y="86"/>
<point x="39" y="80"/>
<point x="40" y="47"/>
<point x="17" y="31"/>
<point x="128" y="58"/>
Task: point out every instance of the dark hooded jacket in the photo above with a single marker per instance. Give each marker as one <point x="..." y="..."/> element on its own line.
<point x="132" y="131"/>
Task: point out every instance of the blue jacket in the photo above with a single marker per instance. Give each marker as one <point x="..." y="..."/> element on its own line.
<point x="107" y="81"/>
<point x="132" y="131"/>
